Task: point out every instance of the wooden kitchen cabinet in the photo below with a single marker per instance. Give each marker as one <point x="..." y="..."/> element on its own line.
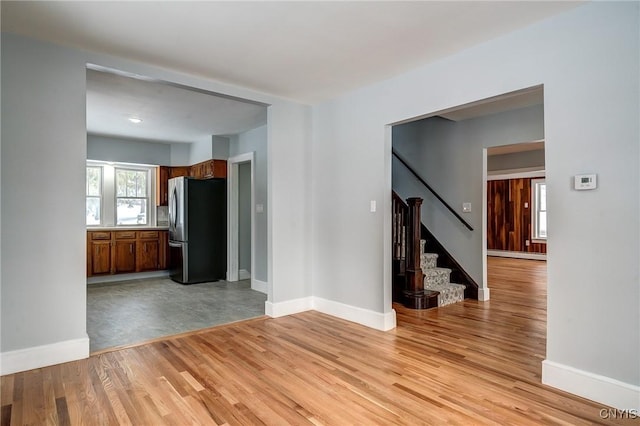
<point x="210" y="169"/>
<point x="125" y="252"/>
<point x="99" y="253"/>
<point x="148" y="251"/>
<point x="163" y="255"/>
<point x="179" y="171"/>
<point x="203" y="170"/>
<point x="117" y="252"/>
<point x="162" y="185"/>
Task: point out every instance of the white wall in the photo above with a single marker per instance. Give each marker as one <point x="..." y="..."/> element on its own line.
<point x="288" y="205"/>
<point x="43" y="157"/>
<point x="106" y="148"/>
<point x="1" y="98"/>
<point x="180" y="153"/>
<point x="256" y="141"/>
<point x="587" y="59"/>
<point x="220" y="147"/>
<point x="448" y="155"/>
<point x="201" y="151"/>
<point x="516" y="160"/>
<point x="43" y="176"/>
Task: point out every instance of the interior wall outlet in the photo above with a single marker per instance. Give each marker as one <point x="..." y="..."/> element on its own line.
<point x="259" y="208"/>
<point x="372" y="206"/>
<point x="466" y="207"/>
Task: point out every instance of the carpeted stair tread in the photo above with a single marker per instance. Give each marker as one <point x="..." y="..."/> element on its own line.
<point x="436" y="276"/>
<point x="428" y="260"/>
<point x="437" y="279"/>
<point x="449" y="293"/>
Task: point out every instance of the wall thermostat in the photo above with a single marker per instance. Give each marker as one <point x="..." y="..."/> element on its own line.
<point x="583" y="182"/>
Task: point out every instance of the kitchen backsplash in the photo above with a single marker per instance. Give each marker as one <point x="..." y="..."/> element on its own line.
<point x="162" y="216"/>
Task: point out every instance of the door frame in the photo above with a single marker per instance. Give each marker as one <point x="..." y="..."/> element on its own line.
<point x="232" y="215"/>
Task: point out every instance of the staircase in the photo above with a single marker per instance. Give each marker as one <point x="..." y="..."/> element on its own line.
<point x="438" y="279"/>
<point x="422" y="267"/>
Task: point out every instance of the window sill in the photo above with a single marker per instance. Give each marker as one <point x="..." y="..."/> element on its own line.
<point x="539" y="241"/>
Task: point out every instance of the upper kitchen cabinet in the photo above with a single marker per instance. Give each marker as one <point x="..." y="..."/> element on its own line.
<point x="203" y="170"/>
<point x="179" y="171"/>
<point x="209" y="169"/>
<point x="162" y="186"/>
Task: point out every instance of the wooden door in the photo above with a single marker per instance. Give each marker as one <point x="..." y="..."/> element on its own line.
<point x="125" y="256"/>
<point x="162" y="186"/>
<point x="149" y="250"/>
<point x="100" y="253"/>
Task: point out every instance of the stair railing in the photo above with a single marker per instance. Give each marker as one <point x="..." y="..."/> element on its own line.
<point x="406" y="254"/>
<point x="399" y="234"/>
<point x="426" y="185"/>
<point x="414" y="287"/>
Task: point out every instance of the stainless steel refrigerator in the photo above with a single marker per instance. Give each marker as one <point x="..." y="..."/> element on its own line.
<point x="197" y="229"/>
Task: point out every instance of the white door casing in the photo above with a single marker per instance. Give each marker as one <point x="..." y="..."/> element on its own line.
<point x="232" y="215"/>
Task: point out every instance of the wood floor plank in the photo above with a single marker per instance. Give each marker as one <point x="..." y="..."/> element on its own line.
<point x="468" y="363"/>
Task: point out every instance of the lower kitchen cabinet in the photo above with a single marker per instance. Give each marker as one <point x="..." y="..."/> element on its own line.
<point x="99" y="257"/>
<point x="125" y="258"/>
<point x="148" y="251"/>
<point x="118" y="252"/>
<point x="99" y="253"/>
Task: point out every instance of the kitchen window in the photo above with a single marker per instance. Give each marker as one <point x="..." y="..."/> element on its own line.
<point x="120" y="194"/>
<point x="132" y="196"/>
<point x="539" y="210"/>
<point x="94" y="195"/>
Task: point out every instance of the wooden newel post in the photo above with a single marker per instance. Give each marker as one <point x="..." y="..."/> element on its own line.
<point x="414" y="286"/>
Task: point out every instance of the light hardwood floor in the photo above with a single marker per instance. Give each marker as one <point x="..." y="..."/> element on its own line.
<point x="468" y="363"/>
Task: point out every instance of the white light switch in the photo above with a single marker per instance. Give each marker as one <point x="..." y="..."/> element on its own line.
<point x="259" y="208"/>
<point x="466" y="207"/>
<point x="372" y="206"/>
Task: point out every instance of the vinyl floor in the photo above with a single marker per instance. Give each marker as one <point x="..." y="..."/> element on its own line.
<point x="128" y="312"/>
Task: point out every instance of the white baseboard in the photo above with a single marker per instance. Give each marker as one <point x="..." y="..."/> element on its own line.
<point x="602" y="389"/>
<point x="260" y="286"/>
<point x="243" y="274"/>
<point x="372" y="319"/>
<point x="483" y="294"/>
<point x="368" y="318"/>
<point x="517" y="254"/>
<point x="288" y="307"/>
<point x="43" y="356"/>
<point x="126" y="277"/>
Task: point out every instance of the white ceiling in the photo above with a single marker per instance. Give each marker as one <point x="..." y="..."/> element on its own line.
<point x="307" y="51"/>
<point x="168" y="113"/>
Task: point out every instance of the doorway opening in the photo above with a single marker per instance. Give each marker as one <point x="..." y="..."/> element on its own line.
<point x="448" y="150"/>
<point x="177" y="131"/>
<point x="241" y="237"/>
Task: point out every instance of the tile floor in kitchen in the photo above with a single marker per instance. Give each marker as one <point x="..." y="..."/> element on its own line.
<point x="129" y="312"/>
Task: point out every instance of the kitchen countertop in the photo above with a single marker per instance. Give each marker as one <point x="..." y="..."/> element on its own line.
<point x="128" y="228"/>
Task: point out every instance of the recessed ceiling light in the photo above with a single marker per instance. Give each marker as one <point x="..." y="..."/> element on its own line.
<point x="135" y="120"/>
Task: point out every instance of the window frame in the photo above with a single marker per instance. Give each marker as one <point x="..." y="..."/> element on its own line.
<point x="100" y="196"/>
<point x="146" y="198"/>
<point x="536" y="210"/>
<point x="108" y="216"/>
